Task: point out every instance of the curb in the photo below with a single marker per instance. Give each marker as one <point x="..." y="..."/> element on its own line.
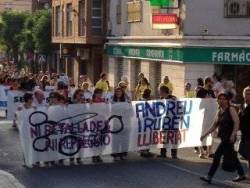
<point x="9" y="181"/>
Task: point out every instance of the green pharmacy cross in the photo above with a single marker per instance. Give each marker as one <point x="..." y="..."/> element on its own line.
<point x="162" y="3"/>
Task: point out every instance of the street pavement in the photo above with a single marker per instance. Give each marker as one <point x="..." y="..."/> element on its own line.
<point x="135" y="172"/>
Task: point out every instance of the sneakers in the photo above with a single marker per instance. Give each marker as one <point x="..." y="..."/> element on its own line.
<point x="202" y="156"/>
<point x="239" y="178"/>
<point x="206" y="179"/>
<point x="97" y="159"/>
<point x="161" y="156"/>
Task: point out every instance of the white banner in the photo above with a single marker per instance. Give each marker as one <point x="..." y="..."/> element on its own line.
<point x="15" y="99"/>
<point x="3" y="98"/>
<point x="61" y="132"/>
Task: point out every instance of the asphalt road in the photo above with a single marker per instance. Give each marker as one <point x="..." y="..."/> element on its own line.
<point x="134" y="172"/>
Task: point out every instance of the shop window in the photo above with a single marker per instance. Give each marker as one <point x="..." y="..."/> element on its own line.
<point x="63" y="24"/>
<point x="134" y="11"/>
<point x="81" y="20"/>
<point x="237" y="8"/>
<point x="119" y="12"/>
<point x="69" y="17"/>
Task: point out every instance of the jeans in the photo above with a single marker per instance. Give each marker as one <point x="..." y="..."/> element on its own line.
<point x="223" y="147"/>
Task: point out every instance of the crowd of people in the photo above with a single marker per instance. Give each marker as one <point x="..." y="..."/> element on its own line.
<point x="229" y="119"/>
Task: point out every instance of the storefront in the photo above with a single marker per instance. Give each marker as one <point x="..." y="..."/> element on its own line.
<point x="181" y="64"/>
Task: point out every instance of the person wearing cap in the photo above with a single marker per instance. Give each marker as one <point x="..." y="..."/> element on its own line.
<point x="166" y="82"/>
<point x="124" y="86"/>
<point x="227" y="123"/>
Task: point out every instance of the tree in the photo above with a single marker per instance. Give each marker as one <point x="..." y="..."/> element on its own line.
<point x="23" y="33"/>
<point x="11" y="32"/>
<point x="42" y="32"/>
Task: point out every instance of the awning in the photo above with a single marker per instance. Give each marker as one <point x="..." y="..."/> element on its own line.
<point x="181" y="54"/>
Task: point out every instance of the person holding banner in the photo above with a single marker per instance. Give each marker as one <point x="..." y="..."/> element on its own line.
<point x="78" y="97"/>
<point x="28" y="102"/>
<point x="97" y="98"/>
<point x="119" y="96"/>
<point x="206" y="92"/>
<point x="227" y="122"/>
<point x="124" y="85"/>
<point x="146" y="97"/>
<point x="165" y="94"/>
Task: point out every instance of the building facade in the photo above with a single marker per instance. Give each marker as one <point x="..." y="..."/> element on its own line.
<point x="184" y="39"/>
<point x="19" y="5"/>
<point x="79" y="31"/>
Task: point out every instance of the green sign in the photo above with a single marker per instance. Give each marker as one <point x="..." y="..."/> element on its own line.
<point x="162" y="3"/>
<point x="205" y="55"/>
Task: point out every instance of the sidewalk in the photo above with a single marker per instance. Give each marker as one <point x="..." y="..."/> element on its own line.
<point x="9" y="181"/>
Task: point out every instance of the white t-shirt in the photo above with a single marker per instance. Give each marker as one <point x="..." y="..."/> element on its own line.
<point x="88" y="95"/>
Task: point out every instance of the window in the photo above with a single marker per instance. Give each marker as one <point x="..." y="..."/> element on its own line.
<point x="69" y="18"/>
<point x="248" y="9"/>
<point x="81" y="23"/>
<point x="119" y="12"/>
<point x="63" y="24"/>
<point x="57" y="21"/>
<point x="134" y="11"/>
<point x="97" y="27"/>
<point x="237" y="8"/>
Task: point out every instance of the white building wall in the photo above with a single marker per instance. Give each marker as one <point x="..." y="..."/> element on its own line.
<point x="176" y="74"/>
<point x="112" y="69"/>
<point x="194" y="71"/>
<point x="198" y="15"/>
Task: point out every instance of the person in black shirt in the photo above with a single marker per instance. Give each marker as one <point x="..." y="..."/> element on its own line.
<point x="245" y="128"/>
<point x="227" y="122"/>
<point x="207" y="91"/>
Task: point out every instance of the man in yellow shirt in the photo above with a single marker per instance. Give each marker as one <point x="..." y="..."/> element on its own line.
<point x="103" y="83"/>
<point x="166" y="82"/>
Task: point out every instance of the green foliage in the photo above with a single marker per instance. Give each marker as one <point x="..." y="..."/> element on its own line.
<point x="11" y="31"/>
<point x="25" y="32"/>
<point x="42" y="32"/>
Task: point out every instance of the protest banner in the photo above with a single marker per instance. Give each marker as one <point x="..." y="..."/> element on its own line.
<point x="15" y="99"/>
<point x="86" y="130"/>
<point x="3" y="98"/>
